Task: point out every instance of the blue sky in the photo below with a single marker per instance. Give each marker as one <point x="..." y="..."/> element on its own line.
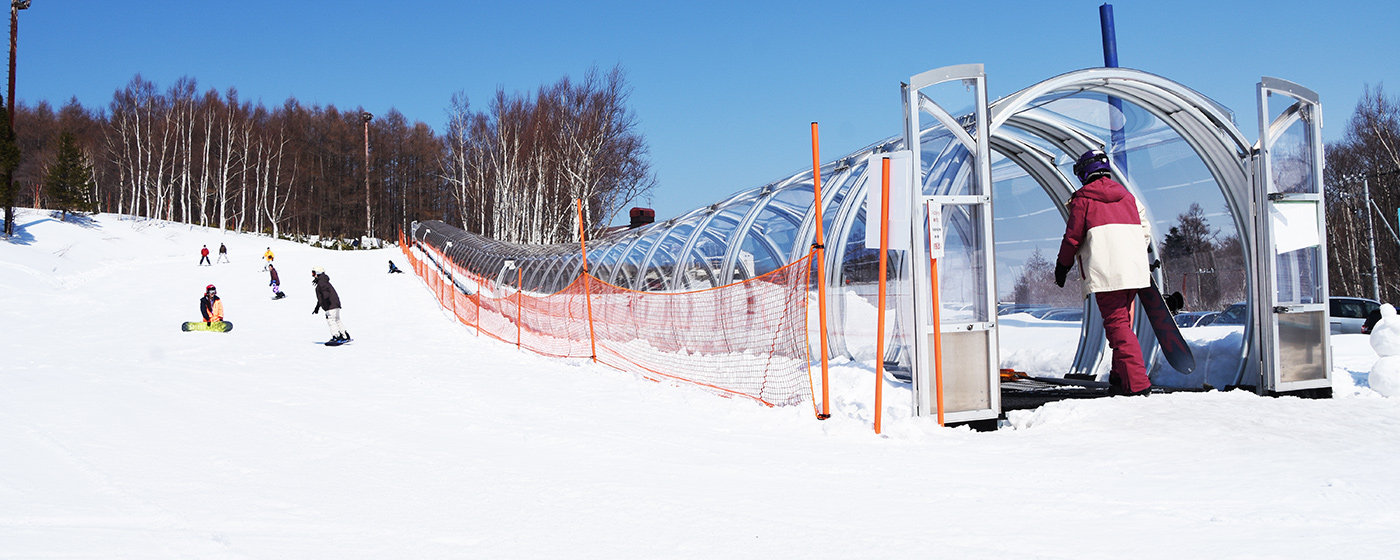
<point x="724" y="91"/>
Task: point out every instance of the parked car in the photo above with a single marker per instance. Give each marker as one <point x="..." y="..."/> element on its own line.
<point x="1188" y="319"/>
<point x="1010" y="308"/>
<point x="1074" y="314"/>
<point x="1234" y="314"/>
<point x="1347" y="315"/>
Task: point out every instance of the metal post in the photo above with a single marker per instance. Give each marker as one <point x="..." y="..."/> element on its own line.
<point x="369" y="223"/>
<point x="15" y="7"/>
<point x="1117" y="148"/>
<point x="1371" y="237"/>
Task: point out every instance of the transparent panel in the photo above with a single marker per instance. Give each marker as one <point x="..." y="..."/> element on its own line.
<point x="965" y="383"/>
<point x="662" y="266"/>
<point x="1038" y="322"/>
<point x="1300" y="346"/>
<point x="630" y="267"/>
<point x="1298" y="281"/>
<point x="1290" y="160"/>
<point x="701" y="269"/>
<point x="962" y="284"/>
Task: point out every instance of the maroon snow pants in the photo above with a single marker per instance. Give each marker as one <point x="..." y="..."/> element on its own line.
<point x="1128" y="370"/>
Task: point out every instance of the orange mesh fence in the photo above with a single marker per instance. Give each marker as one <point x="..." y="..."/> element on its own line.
<point x="748" y="338"/>
<point x="744" y="339"/>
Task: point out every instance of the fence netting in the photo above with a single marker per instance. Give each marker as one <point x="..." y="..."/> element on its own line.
<point x="744" y="339"/>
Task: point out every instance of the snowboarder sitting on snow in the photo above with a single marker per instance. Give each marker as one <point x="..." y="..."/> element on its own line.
<point x="327" y="299"/>
<point x="204" y="256"/>
<point x="276" y="283"/>
<point x="394" y="269"/>
<point x="223" y="253"/>
<point x="210" y="306"/>
<point x="1108" y="233"/>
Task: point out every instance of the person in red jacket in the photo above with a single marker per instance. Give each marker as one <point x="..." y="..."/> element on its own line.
<point x="204" y="257"/>
<point x="1108" y="234"/>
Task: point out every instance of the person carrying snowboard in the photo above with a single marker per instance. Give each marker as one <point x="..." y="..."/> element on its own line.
<point x="1108" y="233"/>
<point x="204" y="257"/>
<point x="276" y="282"/>
<point x="327" y="299"/>
<point x="210" y="306"/>
<point x="223" y="254"/>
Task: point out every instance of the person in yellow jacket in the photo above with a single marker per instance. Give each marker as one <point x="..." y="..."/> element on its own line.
<point x="267" y="256"/>
<point x="210" y="306"/>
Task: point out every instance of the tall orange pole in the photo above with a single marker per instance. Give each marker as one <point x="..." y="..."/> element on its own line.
<point x="587" y="286"/>
<point x="519" y="282"/>
<point x="819" y="247"/>
<point x="937" y="341"/>
<point x="880" y="310"/>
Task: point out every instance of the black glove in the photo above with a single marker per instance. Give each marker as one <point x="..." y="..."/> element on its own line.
<point x="317" y="310"/>
<point x="1061" y="272"/>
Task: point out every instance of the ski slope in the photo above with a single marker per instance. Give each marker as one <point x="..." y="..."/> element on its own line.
<point x="123" y="437"/>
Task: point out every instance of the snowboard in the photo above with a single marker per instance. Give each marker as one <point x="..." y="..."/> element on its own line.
<point x="216" y="326"/>
<point x="1169" y="338"/>
<point x="341" y="343"/>
<point x="280" y="295"/>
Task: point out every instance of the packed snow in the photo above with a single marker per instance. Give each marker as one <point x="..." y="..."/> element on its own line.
<point x="123" y="437"/>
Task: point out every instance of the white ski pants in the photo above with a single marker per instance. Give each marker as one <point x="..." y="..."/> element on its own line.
<point x="333" y="319"/>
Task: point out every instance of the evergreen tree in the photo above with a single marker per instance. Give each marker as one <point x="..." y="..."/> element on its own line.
<point x="69" y="180"/>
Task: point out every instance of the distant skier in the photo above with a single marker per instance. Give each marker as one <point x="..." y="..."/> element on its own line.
<point x="210" y="306"/>
<point x="327" y="299"/>
<point x="204" y="257"/>
<point x="223" y="254"/>
<point x="267" y="256"/>
<point x="276" y="283"/>
<point x="394" y="269"/>
<point x="1109" y="234"/>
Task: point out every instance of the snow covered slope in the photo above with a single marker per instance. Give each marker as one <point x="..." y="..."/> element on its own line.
<point x="123" y="437"/>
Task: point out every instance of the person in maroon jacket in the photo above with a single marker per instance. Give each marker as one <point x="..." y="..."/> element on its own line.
<point x="1108" y="235"/>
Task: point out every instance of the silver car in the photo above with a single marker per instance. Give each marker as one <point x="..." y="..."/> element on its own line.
<point x="1347" y="315"/>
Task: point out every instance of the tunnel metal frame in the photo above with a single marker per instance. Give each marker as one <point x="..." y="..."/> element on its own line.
<point x="757" y="230"/>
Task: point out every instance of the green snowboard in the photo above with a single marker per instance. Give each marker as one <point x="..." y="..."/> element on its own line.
<point x="216" y="326"/>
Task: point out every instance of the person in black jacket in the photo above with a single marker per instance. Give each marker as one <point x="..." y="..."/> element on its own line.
<point x="327" y="299"/>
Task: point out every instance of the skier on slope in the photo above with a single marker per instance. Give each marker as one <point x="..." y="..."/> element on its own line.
<point x="210" y="306"/>
<point x="276" y="282"/>
<point x="1108" y="234"/>
<point x="223" y="253"/>
<point x="267" y="256"/>
<point x="327" y="299"/>
<point x="204" y="257"/>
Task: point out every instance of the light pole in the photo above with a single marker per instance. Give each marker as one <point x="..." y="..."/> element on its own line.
<point x="15" y="7"/>
<point x="365" y="116"/>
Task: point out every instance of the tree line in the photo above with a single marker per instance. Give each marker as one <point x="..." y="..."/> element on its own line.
<point x="1366" y="158"/>
<point x="214" y="159"/>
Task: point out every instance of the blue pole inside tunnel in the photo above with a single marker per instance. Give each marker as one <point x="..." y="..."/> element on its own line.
<point x="1117" y="148"/>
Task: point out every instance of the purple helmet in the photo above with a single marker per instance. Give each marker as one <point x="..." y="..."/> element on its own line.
<point x="1091" y="164"/>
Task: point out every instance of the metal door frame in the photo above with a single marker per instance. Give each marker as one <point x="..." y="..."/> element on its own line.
<point x="1305" y="106"/>
<point x="978" y="144"/>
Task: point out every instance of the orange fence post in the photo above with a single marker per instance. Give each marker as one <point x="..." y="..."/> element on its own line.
<point x="937" y="341"/>
<point x="587" y="286"/>
<point x="880" y="310"/>
<point x="819" y="245"/>
<point x="519" y="283"/>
